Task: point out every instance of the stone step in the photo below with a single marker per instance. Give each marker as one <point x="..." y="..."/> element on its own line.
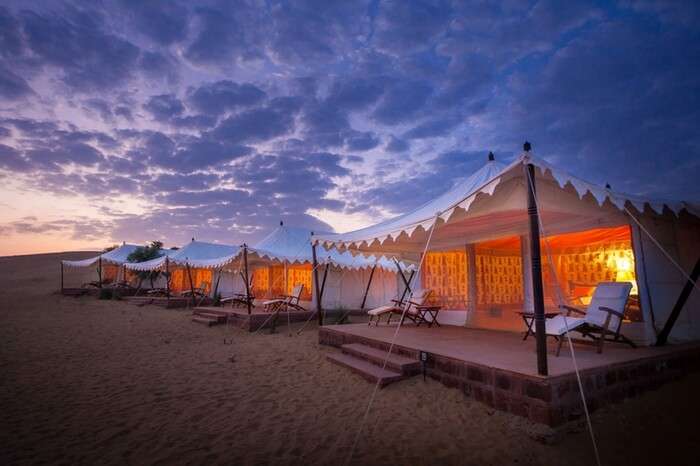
<point x="402" y="364"/>
<point x="205" y="321"/>
<point x="367" y="370"/>
<point x="210" y="315"/>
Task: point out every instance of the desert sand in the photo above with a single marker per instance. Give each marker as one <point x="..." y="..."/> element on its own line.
<point x="84" y="381"/>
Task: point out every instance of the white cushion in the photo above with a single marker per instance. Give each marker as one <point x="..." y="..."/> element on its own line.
<point x="377" y="311"/>
<point x="557" y="325"/>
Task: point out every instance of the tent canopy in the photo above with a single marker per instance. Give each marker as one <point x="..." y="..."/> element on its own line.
<point x="293" y="245"/>
<point x="492" y="203"/>
<point x="198" y="254"/>
<point x="116" y="256"/>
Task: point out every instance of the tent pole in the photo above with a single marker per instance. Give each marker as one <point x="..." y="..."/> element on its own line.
<point x="678" y="307"/>
<point x="218" y="278"/>
<point x="61" y="277"/>
<point x="472" y="290"/>
<point x="407" y="286"/>
<point x="323" y="282"/>
<point x="369" y="283"/>
<point x="99" y="271"/>
<point x="189" y="275"/>
<point x="167" y="280"/>
<point x="536" y="267"/>
<point x="317" y="289"/>
<point x="247" y="279"/>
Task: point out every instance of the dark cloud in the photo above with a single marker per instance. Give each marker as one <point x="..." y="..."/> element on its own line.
<point x="164" y="107"/>
<point x="402" y="102"/>
<point x="12" y="86"/>
<point x="222" y="96"/>
<point x="259" y="124"/>
<point x="397" y="145"/>
<point x="165" y="22"/>
<point x="433" y="128"/>
<point x="78" y="44"/>
<point x="226" y="33"/>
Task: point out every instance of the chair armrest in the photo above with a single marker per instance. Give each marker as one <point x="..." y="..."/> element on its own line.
<point x="612" y="311"/>
<point x="571" y="309"/>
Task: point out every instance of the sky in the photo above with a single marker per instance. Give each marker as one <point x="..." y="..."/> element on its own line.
<point x="135" y="121"/>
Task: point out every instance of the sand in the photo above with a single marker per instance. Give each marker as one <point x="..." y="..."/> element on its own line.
<point x="84" y="381"/>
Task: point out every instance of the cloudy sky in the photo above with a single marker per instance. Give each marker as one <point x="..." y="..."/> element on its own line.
<point x="131" y="120"/>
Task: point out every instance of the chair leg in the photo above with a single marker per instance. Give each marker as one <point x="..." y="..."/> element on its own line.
<point x="560" y="343"/>
<point x="601" y="340"/>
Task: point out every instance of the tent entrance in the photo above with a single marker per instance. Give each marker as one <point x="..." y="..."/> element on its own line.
<point x="269" y="282"/>
<point x="580" y="261"/>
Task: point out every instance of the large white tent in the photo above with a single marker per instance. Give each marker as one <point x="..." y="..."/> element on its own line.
<point x="483" y="221"/>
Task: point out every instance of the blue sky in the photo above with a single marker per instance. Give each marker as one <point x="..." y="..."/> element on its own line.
<point x="130" y="120"/>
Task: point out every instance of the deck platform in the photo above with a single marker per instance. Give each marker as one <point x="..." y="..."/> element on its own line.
<point x="500" y="369"/>
<point x="257" y="319"/>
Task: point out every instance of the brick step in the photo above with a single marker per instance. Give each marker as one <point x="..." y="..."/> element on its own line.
<point x="401" y="364"/>
<point x="210" y="315"/>
<point x="367" y="370"/>
<point x="205" y="321"/>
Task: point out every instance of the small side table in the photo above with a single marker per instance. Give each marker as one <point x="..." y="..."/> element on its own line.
<point x="529" y="319"/>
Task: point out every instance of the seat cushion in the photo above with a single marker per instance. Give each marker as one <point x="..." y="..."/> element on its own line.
<point x="377" y="311"/>
<point x="557" y="324"/>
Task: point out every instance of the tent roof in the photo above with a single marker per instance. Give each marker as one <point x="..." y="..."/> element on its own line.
<point x="293" y="245"/>
<point x="195" y="253"/>
<point x="491" y="203"/>
<point x="115" y="256"/>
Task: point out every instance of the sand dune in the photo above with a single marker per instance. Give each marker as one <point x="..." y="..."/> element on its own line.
<point x="84" y="381"/>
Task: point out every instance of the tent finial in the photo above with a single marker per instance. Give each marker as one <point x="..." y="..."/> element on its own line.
<point x="607" y="186"/>
<point x="193" y="239"/>
<point x="281" y="223"/>
<point x="527" y="146"/>
<point x="491" y="157"/>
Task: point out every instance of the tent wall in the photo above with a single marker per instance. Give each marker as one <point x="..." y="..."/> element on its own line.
<point x="230" y="282"/>
<point x="345" y="288"/>
<point x="680" y="237"/>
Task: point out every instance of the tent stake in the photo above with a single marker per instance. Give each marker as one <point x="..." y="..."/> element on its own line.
<point x="369" y="283"/>
<point x="678" y="307"/>
<point x="317" y="289"/>
<point x="536" y="266"/>
<point x="247" y="279"/>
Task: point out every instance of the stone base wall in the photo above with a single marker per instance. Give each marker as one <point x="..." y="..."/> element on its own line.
<point x="550" y="400"/>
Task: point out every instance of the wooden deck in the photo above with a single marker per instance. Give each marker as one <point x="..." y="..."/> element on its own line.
<point x="500" y="369"/>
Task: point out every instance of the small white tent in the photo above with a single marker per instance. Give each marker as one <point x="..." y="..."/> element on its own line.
<point x="193" y="265"/>
<point x="108" y="264"/>
<point x="478" y="258"/>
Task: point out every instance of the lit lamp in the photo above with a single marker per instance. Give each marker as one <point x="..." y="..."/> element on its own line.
<point x="625" y="272"/>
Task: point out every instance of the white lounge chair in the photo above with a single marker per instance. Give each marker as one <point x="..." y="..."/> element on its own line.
<point x="396" y="307"/>
<point x="601" y="321"/>
<point x="286" y="301"/>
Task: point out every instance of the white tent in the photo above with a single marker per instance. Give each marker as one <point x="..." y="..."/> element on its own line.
<point x="490" y="206"/>
<point x="195" y="264"/>
<point x="117" y="256"/>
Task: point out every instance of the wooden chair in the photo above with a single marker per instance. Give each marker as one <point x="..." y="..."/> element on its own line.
<point x="601" y="321"/>
<point x="396" y="307"/>
<point x="285" y="302"/>
<point x="240" y="299"/>
<point x="200" y="291"/>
